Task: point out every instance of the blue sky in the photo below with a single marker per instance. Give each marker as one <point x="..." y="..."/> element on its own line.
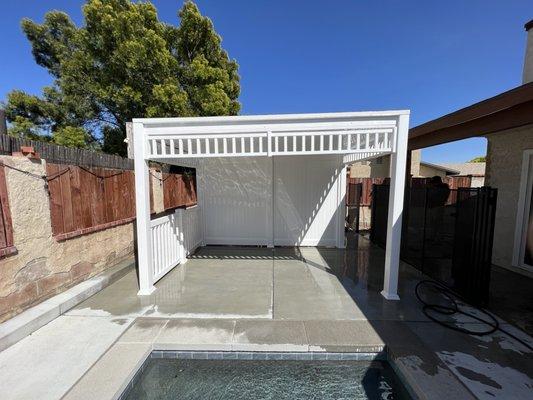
<point x="431" y="57"/>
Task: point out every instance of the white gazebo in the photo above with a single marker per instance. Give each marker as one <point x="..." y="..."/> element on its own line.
<point x="270" y="180"/>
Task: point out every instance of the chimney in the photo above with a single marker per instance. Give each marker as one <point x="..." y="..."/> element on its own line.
<point x="528" y="60"/>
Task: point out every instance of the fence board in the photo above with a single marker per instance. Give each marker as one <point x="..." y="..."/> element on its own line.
<point x="6" y="227"/>
<point x="366" y="190"/>
<point x="66" y="202"/>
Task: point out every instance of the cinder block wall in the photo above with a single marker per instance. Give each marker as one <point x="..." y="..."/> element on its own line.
<point x="42" y="266"/>
<point x="504" y="163"/>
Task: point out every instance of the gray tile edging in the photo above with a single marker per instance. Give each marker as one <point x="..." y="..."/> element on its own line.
<point x="27" y="322"/>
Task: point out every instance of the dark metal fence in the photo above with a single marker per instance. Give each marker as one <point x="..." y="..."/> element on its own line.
<point x="447" y="234"/>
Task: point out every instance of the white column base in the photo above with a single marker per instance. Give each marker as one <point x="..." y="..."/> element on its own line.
<point x="146" y="292"/>
<point x="390" y="296"/>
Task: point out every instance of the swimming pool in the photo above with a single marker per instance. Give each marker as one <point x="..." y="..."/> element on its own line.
<point x="163" y="378"/>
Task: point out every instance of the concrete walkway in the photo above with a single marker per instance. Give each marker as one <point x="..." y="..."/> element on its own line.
<point x="227" y="283"/>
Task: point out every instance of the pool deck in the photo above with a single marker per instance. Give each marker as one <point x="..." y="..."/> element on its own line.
<point x="227" y="298"/>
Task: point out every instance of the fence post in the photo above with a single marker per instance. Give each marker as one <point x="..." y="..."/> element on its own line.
<point x="3" y="124"/>
<point x="142" y="204"/>
<point x="129" y="138"/>
<point x="394" y="221"/>
<point x="424" y="224"/>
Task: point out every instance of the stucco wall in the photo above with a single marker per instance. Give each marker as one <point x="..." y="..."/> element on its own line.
<point x="43" y="266"/>
<point x="428" y="172"/>
<point x="504" y="164"/>
<point x="379" y="168"/>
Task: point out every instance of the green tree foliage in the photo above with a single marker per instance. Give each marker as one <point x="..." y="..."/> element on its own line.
<point x="121" y="64"/>
<point x="479" y="159"/>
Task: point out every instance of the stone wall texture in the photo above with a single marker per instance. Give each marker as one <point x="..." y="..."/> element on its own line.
<point x="504" y="164"/>
<point x="43" y="266"/>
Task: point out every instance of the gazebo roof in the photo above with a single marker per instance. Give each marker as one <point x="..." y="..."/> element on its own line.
<point x="357" y="135"/>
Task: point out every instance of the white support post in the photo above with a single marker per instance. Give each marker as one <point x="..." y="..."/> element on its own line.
<point x="341" y="205"/>
<point x="271" y="215"/>
<point x="394" y="221"/>
<point x="200" y="195"/>
<point x="142" y="204"/>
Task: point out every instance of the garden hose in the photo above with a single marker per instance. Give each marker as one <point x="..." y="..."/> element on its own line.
<point x="431" y="310"/>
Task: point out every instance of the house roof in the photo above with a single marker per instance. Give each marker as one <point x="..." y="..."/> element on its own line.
<point x="507" y="110"/>
<point x="447" y="170"/>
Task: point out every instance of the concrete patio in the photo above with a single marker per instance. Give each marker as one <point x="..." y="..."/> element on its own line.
<point x="327" y="294"/>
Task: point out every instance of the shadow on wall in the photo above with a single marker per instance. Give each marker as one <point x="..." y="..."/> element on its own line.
<point x="237" y="200"/>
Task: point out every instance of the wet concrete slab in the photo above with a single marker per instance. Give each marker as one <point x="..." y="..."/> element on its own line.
<point x="493" y="366"/>
<point x="343" y="336"/>
<point x="196" y="334"/>
<point x="47" y="363"/>
<point x="228" y="298"/>
<point x="269" y="336"/>
<point x="113" y="373"/>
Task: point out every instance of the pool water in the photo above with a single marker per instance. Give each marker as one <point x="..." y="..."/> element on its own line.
<point x="279" y="379"/>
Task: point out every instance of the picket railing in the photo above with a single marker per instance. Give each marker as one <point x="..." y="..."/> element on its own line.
<point x="362" y="141"/>
<point x="174" y="237"/>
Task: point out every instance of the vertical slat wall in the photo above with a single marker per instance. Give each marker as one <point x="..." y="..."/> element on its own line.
<point x="167" y="250"/>
<point x="192" y="234"/>
<point x="174" y="237"/>
<point x="6" y="228"/>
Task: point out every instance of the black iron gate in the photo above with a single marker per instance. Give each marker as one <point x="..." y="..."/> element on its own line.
<point x="447" y="234"/>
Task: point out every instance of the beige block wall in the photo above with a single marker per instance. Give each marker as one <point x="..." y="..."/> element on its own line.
<point x="381" y="168"/>
<point x="43" y="266"/>
<point x="427" y="171"/>
<point x="504" y="163"/>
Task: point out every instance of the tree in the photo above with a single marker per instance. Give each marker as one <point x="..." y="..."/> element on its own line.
<point x="121" y="64"/>
<point x="479" y="159"/>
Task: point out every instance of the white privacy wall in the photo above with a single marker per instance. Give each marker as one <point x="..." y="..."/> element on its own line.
<point x="236" y="196"/>
<point x="239" y="208"/>
<point x="306" y="198"/>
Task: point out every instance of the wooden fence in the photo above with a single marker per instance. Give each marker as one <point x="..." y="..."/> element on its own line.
<point x="454" y="182"/>
<point x="84" y="200"/>
<point x="178" y="190"/>
<point x="6" y="227"/>
<point x="87" y="199"/>
<point x="65" y="155"/>
<point x="366" y="188"/>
